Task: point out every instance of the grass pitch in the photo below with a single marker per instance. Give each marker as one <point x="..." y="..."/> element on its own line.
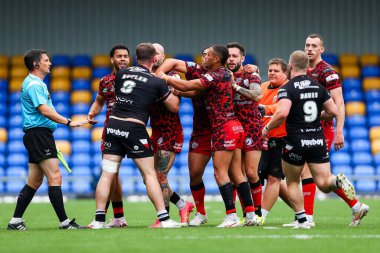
<point x="331" y="234"/>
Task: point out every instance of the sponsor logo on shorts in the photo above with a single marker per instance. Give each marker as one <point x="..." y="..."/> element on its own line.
<point x="295" y="157"/>
<point x="160" y="141"/>
<point x="194" y="145"/>
<point x="136" y="147"/>
<point x="312" y="142"/>
<point x="287" y="148"/>
<point x="230" y="143"/>
<point x="107" y="144"/>
<point x="248" y="141"/>
<point x="117" y="132"/>
<point x="144" y="142"/>
<point x="47" y="152"/>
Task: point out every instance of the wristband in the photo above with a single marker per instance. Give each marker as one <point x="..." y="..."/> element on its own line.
<point x="236" y="87"/>
<point x="68" y="122"/>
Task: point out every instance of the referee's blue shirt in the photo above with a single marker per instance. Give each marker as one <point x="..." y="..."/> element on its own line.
<point x="34" y="93"/>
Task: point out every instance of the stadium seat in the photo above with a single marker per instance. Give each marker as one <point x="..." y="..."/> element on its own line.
<point x="4" y="60"/>
<point x="78" y="147"/>
<point x="17" y="60"/>
<point x="60" y="84"/>
<point x="360" y="145"/>
<point x="15" y="109"/>
<point x="99" y="72"/>
<point x="365" y="185"/>
<point x="101" y="60"/>
<point x="82" y="61"/>
<point x="373" y="120"/>
<point x="14" y="186"/>
<point x="340" y="158"/>
<point x="15" y="134"/>
<point x="19" y="72"/>
<point x="4" y="72"/>
<point x="370" y="71"/>
<point x="81" y="159"/>
<point x="350" y="71"/>
<point x="376" y="161"/>
<point x="364" y="170"/>
<point x="17" y="159"/>
<point x="82" y="187"/>
<point x="81" y="134"/>
<point x="81" y="96"/>
<point x="62" y="133"/>
<point x="95" y="84"/>
<point x="249" y="59"/>
<point x="369" y="60"/>
<point x="81" y="84"/>
<point x="361" y="158"/>
<point x="345" y="169"/>
<point x="15" y="84"/>
<point x="374" y="133"/>
<point x="356" y="121"/>
<point x="81" y="73"/>
<point x="16" y="147"/>
<point x="96" y="134"/>
<point x="371" y="83"/>
<point x="96" y="146"/>
<point x="331" y="59"/>
<point x="63" y="108"/>
<point x="358" y="133"/>
<point x="3" y="148"/>
<point x="198" y="59"/>
<point x="351" y="84"/>
<point x="61" y="60"/>
<point x="187" y="120"/>
<point x="353" y="95"/>
<point x="3" y="135"/>
<point x="4" y="85"/>
<point x="63" y="146"/>
<point x="3" y="123"/>
<point x="375" y="146"/>
<point x="372" y="95"/>
<point x="2" y="160"/>
<point x="348" y="59"/>
<point x="128" y="185"/>
<point x="15" y="97"/>
<point x="373" y="108"/>
<point x="80" y="108"/>
<point x="81" y="117"/>
<point x="184" y="57"/>
<point x="355" y="108"/>
<point x="60" y="72"/>
<point x="81" y="170"/>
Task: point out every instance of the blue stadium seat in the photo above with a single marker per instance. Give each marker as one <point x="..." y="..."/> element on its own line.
<point x="81" y="134"/>
<point x="81" y="159"/>
<point x="364" y="170"/>
<point x="360" y="145"/>
<point x="331" y="59"/>
<point x="356" y="121"/>
<point x="364" y="185"/>
<point x="63" y="108"/>
<point x="81" y="108"/>
<point x="3" y="149"/>
<point x="186" y="108"/>
<point x="2" y="160"/>
<point x="99" y="72"/>
<point x="81" y="170"/>
<point x="372" y="95"/>
<point x="353" y="95"/>
<point x="373" y="108"/>
<point x="361" y="158"/>
<point x="127" y="185"/>
<point x="173" y="184"/>
<point x="184" y="57"/>
<point x="211" y="186"/>
<point x="140" y="187"/>
<point x="81" y="84"/>
<point x="80" y="147"/>
<point x="15" y="121"/>
<point x="82" y="187"/>
<point x="60" y="97"/>
<point x="340" y="158"/>
<point x="3" y="109"/>
<point x="352" y="84"/>
<point x="17" y="159"/>
<point x="370" y="71"/>
<point x="61" y="60"/>
<point x="47" y="80"/>
<point x="4" y="84"/>
<point x="16" y="147"/>
<point x="14" y="97"/>
<point x="15" y="108"/>
<point x="44" y="188"/>
<point x="82" y="61"/>
<point x="249" y="59"/>
<point x="187" y="121"/>
<point x="15" y="134"/>
<point x="345" y="169"/>
<point x="3" y="121"/>
<point x="373" y="120"/>
<point x="358" y="133"/>
<point x="96" y="159"/>
<point x="376" y="160"/>
<point x="15" y="186"/>
<point x="62" y="133"/>
<point x="3" y="95"/>
<point x="19" y="172"/>
<point x="95" y="147"/>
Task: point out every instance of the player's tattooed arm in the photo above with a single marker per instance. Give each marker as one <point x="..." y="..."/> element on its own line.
<point x="253" y="93"/>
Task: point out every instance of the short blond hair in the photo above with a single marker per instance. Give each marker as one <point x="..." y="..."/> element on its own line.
<point x="299" y="60"/>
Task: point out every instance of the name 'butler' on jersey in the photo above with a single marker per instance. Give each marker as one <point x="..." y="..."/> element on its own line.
<point x="135" y="89"/>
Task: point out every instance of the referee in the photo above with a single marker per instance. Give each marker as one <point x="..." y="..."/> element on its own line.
<point x="39" y="120"/>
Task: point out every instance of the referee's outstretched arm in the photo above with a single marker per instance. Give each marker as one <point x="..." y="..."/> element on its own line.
<point x="54" y="116"/>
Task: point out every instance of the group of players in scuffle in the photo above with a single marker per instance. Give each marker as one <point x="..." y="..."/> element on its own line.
<point x="237" y="171"/>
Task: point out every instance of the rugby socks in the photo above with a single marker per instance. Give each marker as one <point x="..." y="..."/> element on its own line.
<point x="264" y="213"/>
<point x="245" y="197"/>
<point x="107" y="205"/>
<point x="308" y="188"/>
<point x="25" y="196"/>
<point x="163" y="215"/>
<point x="241" y="202"/>
<point x="100" y="215"/>
<point x="198" y="192"/>
<point x="56" y="199"/>
<point x="301" y="216"/>
<point x="176" y="200"/>
<point x="226" y="192"/>
<point x="234" y="193"/>
<point x="257" y="195"/>
<point x="341" y="194"/>
<point x="118" y="210"/>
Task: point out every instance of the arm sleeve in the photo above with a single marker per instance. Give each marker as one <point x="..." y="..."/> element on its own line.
<point x="209" y="80"/>
<point x="330" y="79"/>
<point x="163" y="90"/>
<point x="37" y="95"/>
<point x="192" y="70"/>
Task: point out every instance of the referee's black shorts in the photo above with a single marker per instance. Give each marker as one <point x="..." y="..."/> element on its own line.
<point x="40" y="144"/>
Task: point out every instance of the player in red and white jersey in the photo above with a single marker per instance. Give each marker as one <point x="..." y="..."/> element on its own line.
<point x="119" y="57"/>
<point x="227" y="132"/>
<point x="167" y="141"/>
<point x="247" y="93"/>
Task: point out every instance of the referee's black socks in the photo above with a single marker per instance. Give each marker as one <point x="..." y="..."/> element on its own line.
<point x="26" y="195"/>
<point x="56" y="199"/>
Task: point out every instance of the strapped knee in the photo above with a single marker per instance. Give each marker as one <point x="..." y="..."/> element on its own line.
<point x="109" y="166"/>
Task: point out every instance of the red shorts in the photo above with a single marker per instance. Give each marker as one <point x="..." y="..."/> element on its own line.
<point x="253" y="140"/>
<point x="167" y="140"/>
<point x="229" y="136"/>
<point x="200" y="143"/>
<point x="328" y="132"/>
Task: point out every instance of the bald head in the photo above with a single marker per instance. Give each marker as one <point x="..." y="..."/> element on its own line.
<point x="299" y="61"/>
<point x="160" y="57"/>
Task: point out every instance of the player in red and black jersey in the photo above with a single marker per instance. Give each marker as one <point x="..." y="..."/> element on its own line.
<point x="167" y="141"/>
<point x="227" y="132"/>
<point x="321" y="72"/>
<point x="119" y="57"/>
<point x="247" y="93"/>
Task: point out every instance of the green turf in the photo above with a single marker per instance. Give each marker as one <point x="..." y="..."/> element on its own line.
<point x="332" y="233"/>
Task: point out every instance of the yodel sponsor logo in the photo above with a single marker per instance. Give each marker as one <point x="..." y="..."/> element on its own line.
<point x="312" y="142"/>
<point x="117" y="132"/>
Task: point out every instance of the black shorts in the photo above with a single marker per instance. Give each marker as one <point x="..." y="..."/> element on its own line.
<point x="40" y="144"/>
<point x="270" y="161"/>
<point x="127" y="138"/>
<point x="307" y="148"/>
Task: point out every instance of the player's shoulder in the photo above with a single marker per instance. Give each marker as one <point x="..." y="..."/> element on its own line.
<point x="108" y="78"/>
<point x="326" y="67"/>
